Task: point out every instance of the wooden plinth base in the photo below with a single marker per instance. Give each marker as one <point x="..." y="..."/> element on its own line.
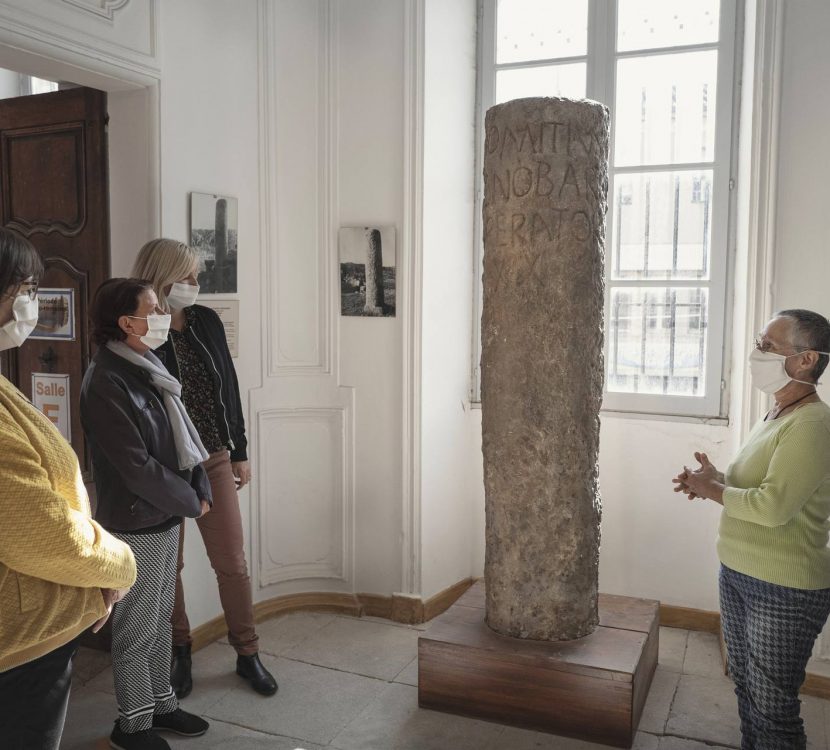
<point x="593" y="688"/>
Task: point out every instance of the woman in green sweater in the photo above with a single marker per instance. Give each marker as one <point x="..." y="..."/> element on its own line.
<point x="772" y="541"/>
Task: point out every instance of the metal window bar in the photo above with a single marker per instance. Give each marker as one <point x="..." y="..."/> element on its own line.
<point x="676" y="227"/>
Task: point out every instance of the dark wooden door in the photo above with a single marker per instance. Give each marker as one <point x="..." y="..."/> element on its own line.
<point x="53" y="190"/>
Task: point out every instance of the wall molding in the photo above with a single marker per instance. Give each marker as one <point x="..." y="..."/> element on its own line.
<point x="278" y="362"/>
<point x="42" y="34"/>
<point x="338" y="419"/>
<point x="102" y="8"/>
<point x="763" y="187"/>
<point x="411" y="293"/>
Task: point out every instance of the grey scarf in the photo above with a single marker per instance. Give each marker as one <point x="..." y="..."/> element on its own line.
<point x="189" y="449"/>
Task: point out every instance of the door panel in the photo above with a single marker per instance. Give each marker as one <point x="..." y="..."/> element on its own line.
<point x="53" y="167"/>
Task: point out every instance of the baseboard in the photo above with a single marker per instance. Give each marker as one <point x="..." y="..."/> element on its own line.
<point x="411" y="610"/>
<point x="689" y="619"/>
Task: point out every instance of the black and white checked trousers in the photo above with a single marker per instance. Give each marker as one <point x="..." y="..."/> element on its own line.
<point x="769" y="632"/>
<point x="141" y="632"/>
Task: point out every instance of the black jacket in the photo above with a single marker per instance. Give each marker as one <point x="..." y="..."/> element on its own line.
<point x="206" y="335"/>
<point x="138" y="482"/>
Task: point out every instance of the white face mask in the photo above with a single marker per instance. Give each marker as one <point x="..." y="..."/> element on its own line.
<point x="182" y="295"/>
<point x="17" y="330"/>
<point x="158" y="326"/>
<point x="768" y="372"/>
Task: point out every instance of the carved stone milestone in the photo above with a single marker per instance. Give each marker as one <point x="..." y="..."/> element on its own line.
<point x="374" y="273"/>
<point x="545" y="197"/>
<point x="221" y="234"/>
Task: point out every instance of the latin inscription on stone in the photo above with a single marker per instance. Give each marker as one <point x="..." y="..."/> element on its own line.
<point x="545" y="193"/>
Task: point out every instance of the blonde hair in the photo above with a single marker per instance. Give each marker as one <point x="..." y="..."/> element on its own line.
<point x="163" y="262"/>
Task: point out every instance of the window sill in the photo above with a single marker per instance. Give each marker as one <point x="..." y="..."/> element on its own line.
<point x="614" y="414"/>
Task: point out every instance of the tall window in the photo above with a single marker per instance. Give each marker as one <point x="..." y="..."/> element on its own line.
<point x="665" y="68"/>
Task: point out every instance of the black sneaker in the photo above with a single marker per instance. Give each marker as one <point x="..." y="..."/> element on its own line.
<point x="180" y="722"/>
<point x="144" y="740"/>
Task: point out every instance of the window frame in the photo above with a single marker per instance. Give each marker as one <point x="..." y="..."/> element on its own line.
<point x="601" y="65"/>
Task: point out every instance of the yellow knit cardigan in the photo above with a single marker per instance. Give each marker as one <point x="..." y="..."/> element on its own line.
<point x="54" y="559"/>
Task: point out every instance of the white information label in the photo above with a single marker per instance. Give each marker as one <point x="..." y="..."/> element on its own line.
<point x="228" y="312"/>
<point x="50" y="394"/>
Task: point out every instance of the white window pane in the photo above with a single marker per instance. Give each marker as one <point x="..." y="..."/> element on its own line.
<point x="541" y="29"/>
<point x="665" y="109"/>
<point x="645" y="24"/>
<point x="662" y="225"/>
<point x="657" y="341"/>
<point x="549" y="80"/>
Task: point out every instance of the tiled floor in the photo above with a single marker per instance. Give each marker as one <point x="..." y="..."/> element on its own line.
<point x="349" y="684"/>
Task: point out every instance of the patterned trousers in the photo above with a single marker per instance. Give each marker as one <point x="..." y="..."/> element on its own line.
<point x="141" y="632"/>
<point x="769" y="632"/>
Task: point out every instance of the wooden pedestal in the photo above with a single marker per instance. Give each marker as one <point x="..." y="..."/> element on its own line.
<point x="593" y="688"/>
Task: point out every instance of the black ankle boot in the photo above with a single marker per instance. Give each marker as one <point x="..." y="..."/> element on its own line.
<point x="180" y="678"/>
<point x="253" y="670"/>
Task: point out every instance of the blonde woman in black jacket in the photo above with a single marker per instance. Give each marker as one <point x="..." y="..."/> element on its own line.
<point x="196" y="352"/>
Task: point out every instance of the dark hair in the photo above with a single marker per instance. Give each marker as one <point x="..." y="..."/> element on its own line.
<point x="812" y="331"/>
<point x="114" y="298"/>
<point x="18" y="260"/>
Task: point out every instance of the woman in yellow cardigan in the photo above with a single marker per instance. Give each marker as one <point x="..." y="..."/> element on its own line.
<point x="60" y="572"/>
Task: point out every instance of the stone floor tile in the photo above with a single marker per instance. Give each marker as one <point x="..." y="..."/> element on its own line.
<point x="366" y="648"/>
<point x="812" y="712"/>
<point x="282" y="633"/>
<point x="409" y="674"/>
<point x="313" y="703"/>
<point x="224" y="736"/>
<point x="705" y="708"/>
<point x="681" y="743"/>
<point x="88" y="664"/>
<point x="659" y="701"/>
<point x="89" y="719"/>
<point x="523" y="739"/>
<point x="703" y="655"/>
<point x="385" y="621"/>
<point x="393" y="721"/>
<point x="672" y="648"/>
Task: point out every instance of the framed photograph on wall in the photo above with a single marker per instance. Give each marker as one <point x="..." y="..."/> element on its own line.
<point x="367" y="271"/>
<point x="213" y="234"/>
<point x="56" y="315"/>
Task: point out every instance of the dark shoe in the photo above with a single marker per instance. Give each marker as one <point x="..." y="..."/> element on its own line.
<point x="252" y="669"/>
<point x="180" y="722"/>
<point x="144" y="740"/>
<point x="180" y="679"/>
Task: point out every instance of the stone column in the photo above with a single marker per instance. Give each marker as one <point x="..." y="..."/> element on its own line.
<point x="545" y="192"/>
<point x="374" y="273"/>
<point x="221" y="235"/>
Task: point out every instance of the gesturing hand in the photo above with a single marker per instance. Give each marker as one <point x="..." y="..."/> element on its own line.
<point x="682" y="486"/>
<point x="205" y="508"/>
<point x="706" y="481"/>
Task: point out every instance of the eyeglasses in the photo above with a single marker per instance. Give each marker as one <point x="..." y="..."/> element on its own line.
<point x="29" y="288"/>
<point x="766" y="346"/>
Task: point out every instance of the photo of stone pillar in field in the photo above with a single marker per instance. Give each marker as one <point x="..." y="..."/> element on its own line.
<point x="545" y="193"/>
<point x="367" y="271"/>
<point x="213" y="234"/>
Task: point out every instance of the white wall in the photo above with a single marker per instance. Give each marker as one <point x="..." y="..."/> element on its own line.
<point x="448" y="487"/>
<point x="209" y="127"/>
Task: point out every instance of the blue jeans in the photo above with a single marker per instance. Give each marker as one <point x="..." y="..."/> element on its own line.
<point x="769" y="632"/>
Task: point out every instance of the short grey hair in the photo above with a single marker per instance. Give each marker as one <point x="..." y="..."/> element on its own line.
<point x="812" y="332"/>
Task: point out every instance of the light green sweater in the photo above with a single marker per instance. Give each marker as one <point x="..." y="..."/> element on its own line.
<point x="776" y="504"/>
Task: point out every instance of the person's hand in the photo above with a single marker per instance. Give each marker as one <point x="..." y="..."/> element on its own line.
<point x="242" y="472"/>
<point x="682" y="486"/>
<point x="704" y="480"/>
<point x="110" y="596"/>
<point x="205" y="508"/>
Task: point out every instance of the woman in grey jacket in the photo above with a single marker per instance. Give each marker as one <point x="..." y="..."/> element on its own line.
<point x="147" y="459"/>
